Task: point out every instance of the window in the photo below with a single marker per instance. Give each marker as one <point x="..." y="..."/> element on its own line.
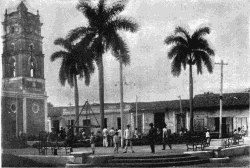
<point x="12" y="30"/>
<point x="12" y="47"/>
<point x="86" y="122"/>
<point x="105" y="122"/>
<point x="119" y="122"/>
<point x="12" y="64"/>
<point x="33" y="67"/>
<point x="71" y="122"/>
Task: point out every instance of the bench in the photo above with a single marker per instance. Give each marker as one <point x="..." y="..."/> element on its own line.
<point x="234" y="140"/>
<point x="82" y="154"/>
<point x="195" y="143"/>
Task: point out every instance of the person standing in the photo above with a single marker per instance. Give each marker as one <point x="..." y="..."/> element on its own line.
<point x="116" y="142"/>
<point x="111" y="134"/>
<point x="92" y="142"/>
<point x="105" y="137"/>
<point x="208" y="137"/>
<point x="164" y="139"/>
<point x="128" y="139"/>
<point x="152" y="135"/>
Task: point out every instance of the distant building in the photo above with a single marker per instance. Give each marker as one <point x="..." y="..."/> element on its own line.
<point x="89" y="116"/>
<point x="24" y="99"/>
<point x="174" y="113"/>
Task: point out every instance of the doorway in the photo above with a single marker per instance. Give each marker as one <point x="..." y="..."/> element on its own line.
<point x="159" y="120"/>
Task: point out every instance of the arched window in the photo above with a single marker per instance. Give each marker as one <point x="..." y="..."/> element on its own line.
<point x="12" y="67"/>
<point x="32" y="67"/>
<point x="12" y="29"/>
<point x="12" y="47"/>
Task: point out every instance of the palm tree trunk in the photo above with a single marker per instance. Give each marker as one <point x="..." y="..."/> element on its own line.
<point x="101" y="89"/>
<point x="76" y="104"/>
<point x="191" y="96"/>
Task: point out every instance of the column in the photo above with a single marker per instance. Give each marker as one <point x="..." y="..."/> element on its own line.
<point x="174" y="122"/>
<point x="143" y="123"/>
<point x="24" y="116"/>
<point x="187" y="121"/>
<point x="46" y="115"/>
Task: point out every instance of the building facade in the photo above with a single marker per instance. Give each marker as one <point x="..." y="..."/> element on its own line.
<point x="174" y="113"/>
<point x="90" y="116"/>
<point x="24" y="99"/>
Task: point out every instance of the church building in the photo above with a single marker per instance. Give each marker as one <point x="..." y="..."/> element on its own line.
<point x="24" y="99"/>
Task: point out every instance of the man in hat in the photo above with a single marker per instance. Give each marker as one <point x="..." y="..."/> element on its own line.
<point x="128" y="136"/>
<point x="152" y="135"/>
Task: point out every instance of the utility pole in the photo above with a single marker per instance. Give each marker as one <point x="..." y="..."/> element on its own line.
<point x="121" y="103"/>
<point x="182" y="126"/>
<point x="70" y="104"/>
<point x="221" y="96"/>
<point x="136" y="113"/>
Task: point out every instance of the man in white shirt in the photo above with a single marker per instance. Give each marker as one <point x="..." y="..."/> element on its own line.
<point x="105" y="137"/>
<point x="128" y="139"/>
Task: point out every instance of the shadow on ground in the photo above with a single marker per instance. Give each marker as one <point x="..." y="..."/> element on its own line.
<point x="10" y="160"/>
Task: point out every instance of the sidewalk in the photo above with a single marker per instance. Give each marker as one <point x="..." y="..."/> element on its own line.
<point x="139" y="150"/>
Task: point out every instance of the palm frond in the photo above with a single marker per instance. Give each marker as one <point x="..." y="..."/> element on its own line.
<point x="178" y="50"/>
<point x="114" y="10"/>
<point x="202" y="44"/>
<point x="177" y="40"/>
<point x="101" y="7"/>
<point x="124" y="23"/>
<point x="62" y="74"/>
<point x="120" y="49"/>
<point x="183" y="31"/>
<point x="205" y="58"/>
<point x="63" y="42"/>
<point x="77" y="33"/>
<point x="176" y="66"/>
<point x="200" y="32"/>
<point x="58" y="54"/>
<point x="87" y="10"/>
<point x="198" y="63"/>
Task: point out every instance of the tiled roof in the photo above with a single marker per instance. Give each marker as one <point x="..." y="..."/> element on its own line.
<point x="160" y="105"/>
<point x="229" y="100"/>
<point x="200" y="101"/>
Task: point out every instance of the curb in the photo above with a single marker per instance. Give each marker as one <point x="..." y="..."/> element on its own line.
<point x="219" y="160"/>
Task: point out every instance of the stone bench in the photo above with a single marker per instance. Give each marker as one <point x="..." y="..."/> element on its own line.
<point x="98" y="159"/>
<point x="83" y="154"/>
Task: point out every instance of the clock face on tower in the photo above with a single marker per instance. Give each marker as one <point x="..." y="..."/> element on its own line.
<point x="35" y="108"/>
<point x="13" y="107"/>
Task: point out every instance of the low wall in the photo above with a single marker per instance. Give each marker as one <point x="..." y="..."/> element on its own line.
<point x="220" y="152"/>
<point x="60" y="161"/>
<point x="232" y="151"/>
<point x="201" y="154"/>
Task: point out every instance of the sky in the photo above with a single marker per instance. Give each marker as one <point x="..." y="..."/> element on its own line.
<point x="149" y="74"/>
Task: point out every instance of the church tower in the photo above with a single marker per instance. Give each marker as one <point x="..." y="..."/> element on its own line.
<point x="24" y="99"/>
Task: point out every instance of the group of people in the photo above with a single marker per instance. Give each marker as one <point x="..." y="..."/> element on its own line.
<point x="66" y="137"/>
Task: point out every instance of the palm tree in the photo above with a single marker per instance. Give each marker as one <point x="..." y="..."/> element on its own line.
<point x="76" y="61"/>
<point x="102" y="31"/>
<point x="191" y="50"/>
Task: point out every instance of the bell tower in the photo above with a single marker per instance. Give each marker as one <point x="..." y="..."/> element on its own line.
<point x="24" y="98"/>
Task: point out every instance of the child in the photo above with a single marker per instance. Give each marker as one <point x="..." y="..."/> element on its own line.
<point x="116" y="142"/>
<point x="92" y="142"/>
<point x="208" y="137"/>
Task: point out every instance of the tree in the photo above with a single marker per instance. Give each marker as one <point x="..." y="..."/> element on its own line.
<point x="77" y="60"/>
<point x="102" y="31"/>
<point x="191" y="50"/>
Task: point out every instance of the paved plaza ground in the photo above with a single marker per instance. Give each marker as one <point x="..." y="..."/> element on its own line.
<point x="241" y="161"/>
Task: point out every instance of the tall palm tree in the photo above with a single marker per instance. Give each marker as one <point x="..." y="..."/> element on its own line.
<point x="76" y="61"/>
<point x="191" y="50"/>
<point x="103" y="26"/>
